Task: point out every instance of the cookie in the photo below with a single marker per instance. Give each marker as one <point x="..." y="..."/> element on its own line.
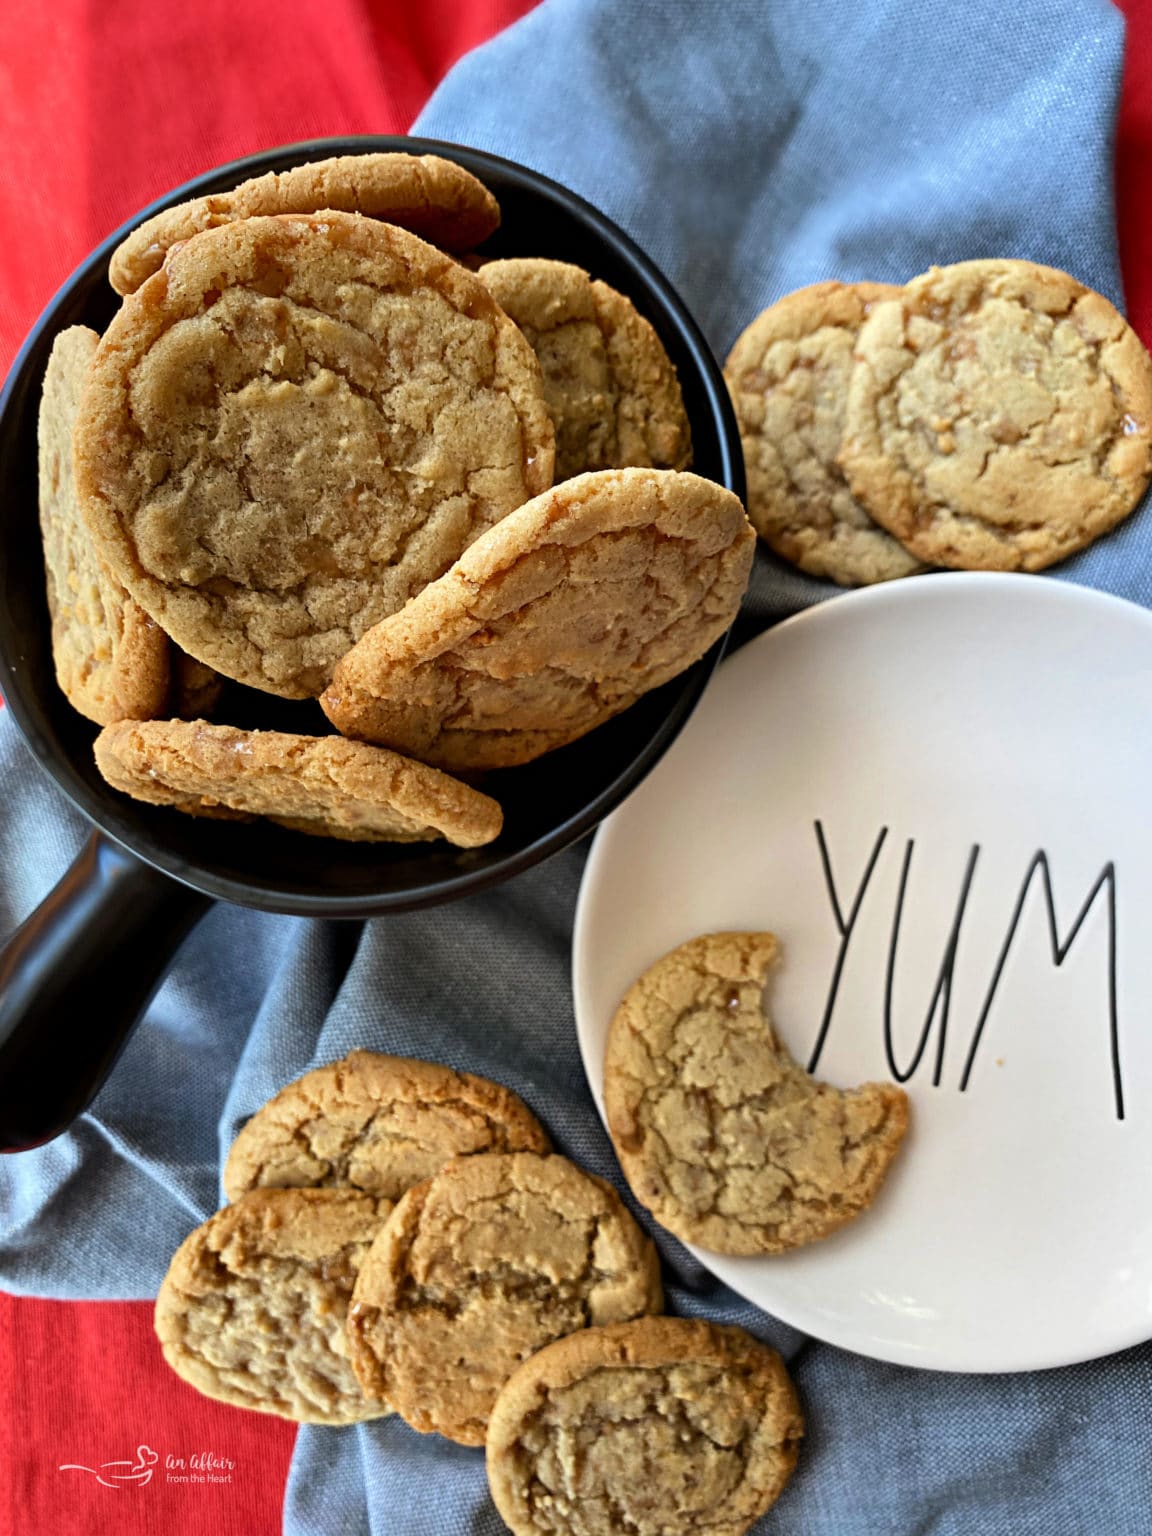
<point x="294" y="426"/>
<point x="253" y="1306"/>
<point x="788" y="377"/>
<point x="434" y="198"/>
<point x="727" y="1141"/>
<point x="378" y="1123"/>
<point x="999" y="416"/>
<point x="323" y="785"/>
<point x="553" y="622"/>
<point x="480" y="1266"/>
<point x="195" y="687"/>
<point x="111" y="660"/>
<point x="611" y="388"/>
<point x="644" y="1428"/>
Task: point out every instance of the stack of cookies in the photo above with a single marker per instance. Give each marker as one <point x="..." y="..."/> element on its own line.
<point x="319" y="455"/>
<point x="402" y="1239"/>
<point x="992" y="415"/>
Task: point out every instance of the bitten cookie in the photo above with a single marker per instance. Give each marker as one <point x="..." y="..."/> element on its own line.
<point x="999" y="416"/>
<point x="295" y="425"/>
<point x="553" y="622"/>
<point x="317" y="784"/>
<point x="252" y="1308"/>
<point x="379" y="1123"/>
<point x="644" y="1428"/>
<point x="726" y="1140"/>
<point x="434" y="198"/>
<point x="480" y="1266"/>
<point x="788" y="376"/>
<point x="611" y="388"/>
<point x="111" y="659"/>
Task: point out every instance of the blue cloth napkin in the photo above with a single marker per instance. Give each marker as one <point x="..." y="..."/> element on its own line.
<point x="750" y="148"/>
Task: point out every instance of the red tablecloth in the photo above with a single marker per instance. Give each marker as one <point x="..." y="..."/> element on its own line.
<point x="103" y="107"/>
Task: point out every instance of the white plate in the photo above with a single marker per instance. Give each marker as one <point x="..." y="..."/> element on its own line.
<point x="1007" y="714"/>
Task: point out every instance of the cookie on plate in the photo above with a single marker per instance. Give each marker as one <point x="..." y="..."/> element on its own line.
<point x="111" y="659"/>
<point x="611" y="388"/>
<point x="788" y="377"/>
<point x="434" y="198"/>
<point x="323" y="785"/>
<point x="295" y="425"/>
<point x="480" y="1266"/>
<point x="727" y="1141"/>
<point x="999" y="416"/>
<point x="253" y="1306"/>
<point x="647" y="1427"/>
<point x="554" y="621"/>
<point x="379" y="1123"/>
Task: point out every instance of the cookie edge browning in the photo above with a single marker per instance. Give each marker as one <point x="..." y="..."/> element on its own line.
<point x="644" y="1342"/>
<point x="887" y="489"/>
<point x="567" y="515"/>
<point x="389" y="1254"/>
<point x="180" y="1275"/>
<point x="464" y="816"/>
<point x="465" y="214"/>
<point x="762" y="956"/>
<point x="375" y="1072"/>
<point x="792" y="318"/>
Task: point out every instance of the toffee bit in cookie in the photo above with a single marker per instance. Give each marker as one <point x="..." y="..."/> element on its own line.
<point x="727" y="1141"/>
<point x="641" y="1429"/>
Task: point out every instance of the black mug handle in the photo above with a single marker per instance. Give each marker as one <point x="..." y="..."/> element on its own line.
<point x="75" y="979"/>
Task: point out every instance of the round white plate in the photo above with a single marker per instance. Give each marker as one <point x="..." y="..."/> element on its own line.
<point x="992" y="737"/>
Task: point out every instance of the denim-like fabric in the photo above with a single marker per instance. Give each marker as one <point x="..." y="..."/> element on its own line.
<point x="750" y="147"/>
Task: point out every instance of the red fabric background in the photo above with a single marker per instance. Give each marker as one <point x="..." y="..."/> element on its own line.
<point x="105" y="104"/>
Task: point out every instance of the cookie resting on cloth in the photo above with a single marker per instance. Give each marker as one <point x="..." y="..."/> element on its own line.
<point x="553" y="622"/>
<point x="641" y="1429"/>
<point x="721" y="1135"/>
<point x="252" y="1308"/>
<point x="295" y="425"/>
<point x="610" y="387"/>
<point x="111" y="660"/>
<point x="480" y="1266"/>
<point x="323" y="785"/>
<point x="999" y="416"/>
<point x="434" y="198"/>
<point x="378" y="1123"/>
<point x="788" y="377"/>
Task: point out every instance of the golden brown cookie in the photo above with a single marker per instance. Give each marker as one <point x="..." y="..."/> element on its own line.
<point x="642" y="1429"/>
<point x="295" y="425"/>
<point x="611" y="388"/>
<point x="323" y="785"/>
<point x="434" y="198"/>
<point x="999" y="416"/>
<point x="726" y="1140"/>
<point x="552" y="622"/>
<point x="111" y="659"/>
<point x="252" y="1308"/>
<point x="788" y="376"/>
<point x="379" y="1123"/>
<point x="480" y="1266"/>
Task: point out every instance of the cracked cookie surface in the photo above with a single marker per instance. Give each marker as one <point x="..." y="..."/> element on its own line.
<point x="999" y="416"/>
<point x="788" y="377"/>
<point x="294" y="426"/>
<point x="111" y="660"/>
<point x="434" y="198"/>
<point x="644" y="1428"/>
<point x="322" y="785"/>
<point x="253" y="1306"/>
<point x="378" y="1123"/>
<point x="553" y="622"/>
<point x="480" y="1266"/>
<point x="610" y="387"/>
<point x="721" y="1135"/>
